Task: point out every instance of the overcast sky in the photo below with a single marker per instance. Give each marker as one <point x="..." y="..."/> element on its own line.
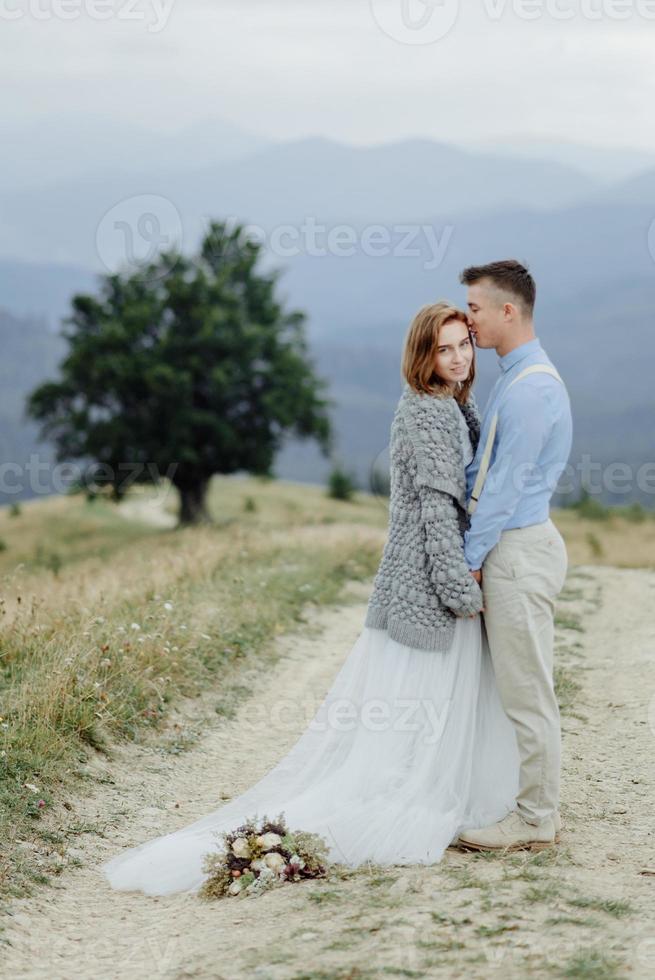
<point x="360" y="71"/>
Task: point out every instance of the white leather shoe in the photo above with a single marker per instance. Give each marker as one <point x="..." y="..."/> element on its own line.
<point x="512" y="833"/>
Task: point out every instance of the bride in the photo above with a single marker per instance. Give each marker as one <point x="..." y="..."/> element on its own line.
<point x="425" y="750"/>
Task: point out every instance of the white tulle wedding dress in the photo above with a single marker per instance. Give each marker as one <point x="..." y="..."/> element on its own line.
<point x="408" y="748"/>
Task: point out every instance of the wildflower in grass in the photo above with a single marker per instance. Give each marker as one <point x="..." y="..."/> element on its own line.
<point x="135" y="626"/>
<point x="168" y="606"/>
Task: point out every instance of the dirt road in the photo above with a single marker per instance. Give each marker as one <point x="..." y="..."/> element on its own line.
<point x="586" y="906"/>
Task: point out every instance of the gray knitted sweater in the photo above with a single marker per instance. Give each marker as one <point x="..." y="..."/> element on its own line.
<point x="423" y="581"/>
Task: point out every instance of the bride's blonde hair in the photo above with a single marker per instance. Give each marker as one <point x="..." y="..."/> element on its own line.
<point x="420" y="349"/>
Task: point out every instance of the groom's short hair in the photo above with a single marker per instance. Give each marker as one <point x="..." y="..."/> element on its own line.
<point x="508" y="276"/>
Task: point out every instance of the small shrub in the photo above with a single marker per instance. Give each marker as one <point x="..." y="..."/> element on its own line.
<point x="250" y="505"/>
<point x="341" y="485"/>
<point x="15" y="510"/>
<point x="635" y="513"/>
<point x="591" y="508"/>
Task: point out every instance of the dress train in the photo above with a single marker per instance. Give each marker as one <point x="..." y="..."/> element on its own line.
<point x="408" y="748"/>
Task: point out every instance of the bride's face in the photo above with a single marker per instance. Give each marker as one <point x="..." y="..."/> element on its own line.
<point x="454" y="352"/>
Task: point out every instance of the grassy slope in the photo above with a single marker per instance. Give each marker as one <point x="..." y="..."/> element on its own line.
<point x="105" y="622"/>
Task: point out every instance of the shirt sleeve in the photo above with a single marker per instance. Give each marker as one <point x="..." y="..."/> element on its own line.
<point x="524" y="422"/>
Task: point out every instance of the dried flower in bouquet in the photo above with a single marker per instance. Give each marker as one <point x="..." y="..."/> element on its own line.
<point x="254" y="859"/>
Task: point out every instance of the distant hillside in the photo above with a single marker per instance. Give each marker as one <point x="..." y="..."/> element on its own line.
<point x="42" y="290"/>
<point x="64" y="147"/>
<point x="315" y="179"/>
<point x="606" y="163"/>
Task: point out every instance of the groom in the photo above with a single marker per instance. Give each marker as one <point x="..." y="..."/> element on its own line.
<point x="512" y="547"/>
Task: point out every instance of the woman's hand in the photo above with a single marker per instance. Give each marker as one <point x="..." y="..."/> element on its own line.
<point x="477" y="575"/>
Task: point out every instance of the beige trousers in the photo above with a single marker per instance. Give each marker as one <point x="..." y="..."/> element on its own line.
<point x="521" y="578"/>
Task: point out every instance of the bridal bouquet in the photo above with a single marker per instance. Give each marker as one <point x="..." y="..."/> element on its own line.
<point x="255" y="859"/>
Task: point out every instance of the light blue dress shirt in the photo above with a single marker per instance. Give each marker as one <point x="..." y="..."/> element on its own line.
<point x="531" y="449"/>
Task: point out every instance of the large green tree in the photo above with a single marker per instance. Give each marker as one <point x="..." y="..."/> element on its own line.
<point x="185" y="366"/>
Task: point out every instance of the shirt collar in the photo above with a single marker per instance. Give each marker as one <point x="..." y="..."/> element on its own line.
<point x="518" y="354"/>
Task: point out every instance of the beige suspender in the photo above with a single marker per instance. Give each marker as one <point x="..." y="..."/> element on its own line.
<point x="486" y="456"/>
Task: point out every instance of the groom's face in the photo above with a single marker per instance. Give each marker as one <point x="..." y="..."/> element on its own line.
<point x="485" y="313"/>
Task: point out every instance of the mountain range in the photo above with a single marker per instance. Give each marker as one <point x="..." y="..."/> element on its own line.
<point x="582" y="218"/>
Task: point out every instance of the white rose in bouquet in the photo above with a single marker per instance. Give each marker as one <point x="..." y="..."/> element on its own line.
<point x="269" y="841"/>
<point x="275" y="862"/>
<point x="241" y="848"/>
